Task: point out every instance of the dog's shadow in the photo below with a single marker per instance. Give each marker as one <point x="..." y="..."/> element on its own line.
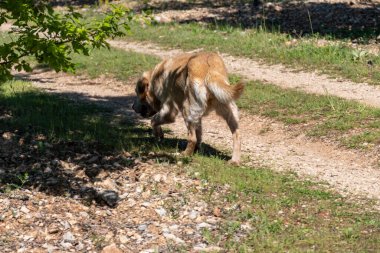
<point x="178" y="145"/>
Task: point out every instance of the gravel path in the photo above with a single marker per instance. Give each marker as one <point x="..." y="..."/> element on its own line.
<point x="347" y="171"/>
<point x="311" y="82"/>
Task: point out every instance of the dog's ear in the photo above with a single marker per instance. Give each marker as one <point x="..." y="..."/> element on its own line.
<point x="143" y="83"/>
<point x="142" y="86"/>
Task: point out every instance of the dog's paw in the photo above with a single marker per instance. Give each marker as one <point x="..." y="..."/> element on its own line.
<point x="158" y="133"/>
<point x="187" y="152"/>
<point x="234" y="162"/>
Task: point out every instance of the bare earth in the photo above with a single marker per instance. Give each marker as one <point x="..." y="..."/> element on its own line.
<point x="310" y="82"/>
<point x="347" y="171"/>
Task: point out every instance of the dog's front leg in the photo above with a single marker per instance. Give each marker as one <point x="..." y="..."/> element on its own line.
<point x="166" y="115"/>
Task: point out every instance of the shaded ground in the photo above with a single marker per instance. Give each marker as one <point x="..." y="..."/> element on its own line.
<point x="55" y="195"/>
<point x="64" y="205"/>
<point x="342" y="19"/>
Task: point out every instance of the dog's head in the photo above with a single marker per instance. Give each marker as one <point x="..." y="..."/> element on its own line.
<point x="143" y="104"/>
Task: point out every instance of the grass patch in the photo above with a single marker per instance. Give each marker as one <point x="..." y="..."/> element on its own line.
<point x="118" y="63"/>
<point x="335" y="58"/>
<point x="317" y="115"/>
<point x="284" y="213"/>
<point x="34" y="113"/>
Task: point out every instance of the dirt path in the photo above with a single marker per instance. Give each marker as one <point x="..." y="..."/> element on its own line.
<point x="310" y="82"/>
<point x="347" y="171"/>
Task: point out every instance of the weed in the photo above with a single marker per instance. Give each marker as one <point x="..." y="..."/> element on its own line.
<point x="22" y="180"/>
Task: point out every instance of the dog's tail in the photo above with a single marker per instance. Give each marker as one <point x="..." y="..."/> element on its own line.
<point x="223" y="91"/>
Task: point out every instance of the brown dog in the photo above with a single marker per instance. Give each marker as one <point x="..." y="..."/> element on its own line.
<point x="193" y="84"/>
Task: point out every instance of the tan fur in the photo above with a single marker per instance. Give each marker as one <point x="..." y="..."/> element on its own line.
<point x="193" y="84"/>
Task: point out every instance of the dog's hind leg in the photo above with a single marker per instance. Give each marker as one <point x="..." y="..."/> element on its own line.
<point x="230" y="114"/>
<point x="191" y="139"/>
<point x="198" y="134"/>
<point x="193" y="121"/>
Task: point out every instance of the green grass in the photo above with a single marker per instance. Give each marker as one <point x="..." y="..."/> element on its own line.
<point x="286" y="214"/>
<point x="118" y="63"/>
<point x="352" y="124"/>
<point x="35" y="113"/>
<point x="335" y="58"/>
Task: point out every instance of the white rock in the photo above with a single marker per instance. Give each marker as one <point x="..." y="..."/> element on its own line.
<point x="79" y="246"/>
<point x="139" y="189"/>
<point x="207" y="249"/>
<point x="193" y="214"/>
<point x="68" y="237"/>
<point x="66" y="245"/>
<point x="142" y="227"/>
<point x="159" y="178"/>
<point x="84" y="214"/>
<point x="148" y="251"/>
<point x="20" y="250"/>
<point x="161" y="211"/>
<point x="174" y="238"/>
<point x="173" y="227"/>
<point x="24" y="209"/>
<point x="146" y="204"/>
<point x="203" y="225"/>
<point x="123" y="239"/>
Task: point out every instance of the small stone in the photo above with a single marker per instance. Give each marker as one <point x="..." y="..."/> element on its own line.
<point x="124" y="195"/>
<point x="93" y="159"/>
<point x="203" y="225"/>
<point x="148" y="251"/>
<point x="193" y="214"/>
<point x="157" y="178"/>
<point x="24" y="209"/>
<point x="47" y="170"/>
<point x="79" y="246"/>
<point x="84" y="214"/>
<point x="66" y="245"/>
<point x="204" y="248"/>
<point x="111" y="249"/>
<point x="142" y="227"/>
<point x="139" y="189"/>
<point x="174" y="238"/>
<point x="161" y="211"/>
<point x="65" y="224"/>
<point x="116" y="164"/>
<point x="145" y="204"/>
<point x="246" y="226"/>
<point x="92" y="172"/>
<point x="53" y="228"/>
<point x="109" y="197"/>
<point x="173" y="227"/>
<point x="68" y="237"/>
<point x="123" y="239"/>
<point x="20" y="250"/>
<point x="217" y="212"/>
